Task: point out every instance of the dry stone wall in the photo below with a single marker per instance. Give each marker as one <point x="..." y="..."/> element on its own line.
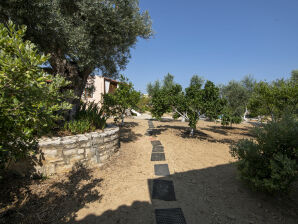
<point x="92" y="149"/>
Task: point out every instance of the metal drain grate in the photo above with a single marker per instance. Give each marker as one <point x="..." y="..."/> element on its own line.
<point x="155" y="143"/>
<point x="163" y="190"/>
<point x="157" y="148"/>
<point x="161" y="170"/>
<point x="158" y="157"/>
<point x="169" y="216"/>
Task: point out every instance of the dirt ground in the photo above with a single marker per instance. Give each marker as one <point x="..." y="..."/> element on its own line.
<point x="202" y="170"/>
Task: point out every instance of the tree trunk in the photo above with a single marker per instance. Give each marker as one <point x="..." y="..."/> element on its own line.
<point x="183" y="117"/>
<point x="122" y="119"/>
<point x="245" y="113"/>
<point x="71" y="72"/>
<point x="191" y="132"/>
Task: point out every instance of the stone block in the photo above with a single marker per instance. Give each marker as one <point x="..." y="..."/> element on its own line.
<point x="68" y="140"/>
<point x="97" y="140"/>
<point x="70" y="152"/>
<point x="80" y="151"/>
<point x="50" y="152"/>
<point x="82" y="138"/>
<point x="84" y="144"/>
<point x="49" y="142"/>
<point x="76" y="158"/>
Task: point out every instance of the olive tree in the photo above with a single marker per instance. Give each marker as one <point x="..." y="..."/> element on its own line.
<point x="81" y="36"/>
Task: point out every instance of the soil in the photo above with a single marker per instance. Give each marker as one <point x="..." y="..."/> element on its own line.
<point x="201" y="168"/>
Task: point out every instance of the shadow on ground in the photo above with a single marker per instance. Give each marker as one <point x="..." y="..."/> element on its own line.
<point x="126" y="133"/>
<point x="210" y="195"/>
<point x="184" y="132"/>
<point x="57" y="203"/>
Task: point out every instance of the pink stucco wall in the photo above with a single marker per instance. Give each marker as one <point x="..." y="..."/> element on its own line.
<point x="99" y="90"/>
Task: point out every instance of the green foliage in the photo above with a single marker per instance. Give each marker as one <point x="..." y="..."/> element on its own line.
<point x="29" y="98"/>
<point x="204" y="101"/>
<point x="269" y="163"/>
<point x="79" y="126"/>
<point x="237" y="95"/>
<point x="189" y="104"/>
<point x="143" y="104"/>
<point x="88" y="118"/>
<point x="93" y="34"/>
<point x="125" y="97"/>
<point x="92" y="113"/>
<point x="272" y="99"/>
<point x="81" y="36"/>
<point x="153" y="88"/>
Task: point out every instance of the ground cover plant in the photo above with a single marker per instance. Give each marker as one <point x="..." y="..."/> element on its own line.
<point x="89" y="118"/>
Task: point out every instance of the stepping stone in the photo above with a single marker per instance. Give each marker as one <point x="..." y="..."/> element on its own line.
<point x="161" y="170"/>
<point x="169" y="216"/>
<point x="156" y="142"/>
<point x="158" y="148"/>
<point x="149" y="132"/>
<point x="158" y="157"/>
<point x="163" y="190"/>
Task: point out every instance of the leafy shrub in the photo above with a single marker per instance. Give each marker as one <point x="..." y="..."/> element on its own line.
<point x="269" y="163"/>
<point x="92" y="113"/>
<point x="125" y="97"/>
<point x="30" y="99"/>
<point x="88" y="118"/>
<point x="143" y="104"/>
<point x="228" y="117"/>
<point x="79" y="126"/>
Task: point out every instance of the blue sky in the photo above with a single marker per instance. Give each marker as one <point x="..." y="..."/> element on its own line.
<point x="220" y="40"/>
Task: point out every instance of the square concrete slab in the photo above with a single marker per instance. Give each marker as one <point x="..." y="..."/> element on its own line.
<point x="158" y="157"/>
<point x="155" y="143"/>
<point x="163" y="190"/>
<point x="161" y="170"/>
<point x="149" y="132"/>
<point x="169" y="216"/>
<point x="158" y="148"/>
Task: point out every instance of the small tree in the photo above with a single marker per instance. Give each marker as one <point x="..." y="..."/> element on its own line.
<point x="237" y="95"/>
<point x="204" y="101"/>
<point x="29" y="98"/>
<point x="125" y="97"/>
<point x="272" y="99"/>
<point x="188" y="104"/>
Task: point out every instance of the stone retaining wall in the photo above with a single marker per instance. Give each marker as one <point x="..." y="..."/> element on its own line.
<point x="92" y="149"/>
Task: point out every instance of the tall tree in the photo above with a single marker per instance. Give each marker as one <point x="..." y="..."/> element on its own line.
<point x="81" y="35"/>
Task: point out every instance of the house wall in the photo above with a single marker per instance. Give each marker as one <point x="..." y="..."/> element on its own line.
<point x="99" y="90"/>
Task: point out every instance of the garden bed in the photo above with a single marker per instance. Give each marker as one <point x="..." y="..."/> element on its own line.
<point x="60" y="154"/>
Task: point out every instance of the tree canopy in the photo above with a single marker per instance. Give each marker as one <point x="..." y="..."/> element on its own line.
<point x="81" y="35"/>
<point x="275" y="98"/>
<point x="189" y="104"/>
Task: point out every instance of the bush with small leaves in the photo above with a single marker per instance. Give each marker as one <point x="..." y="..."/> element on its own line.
<point x="270" y="161"/>
<point x="30" y="99"/>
